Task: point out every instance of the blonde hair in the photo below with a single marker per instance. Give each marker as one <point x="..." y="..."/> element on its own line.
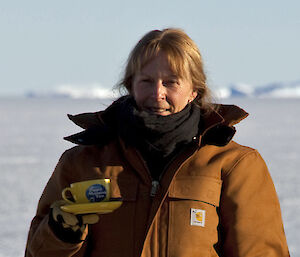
<point x="183" y="56"/>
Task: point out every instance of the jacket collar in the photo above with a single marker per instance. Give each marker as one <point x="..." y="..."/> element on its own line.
<point x="216" y="127"/>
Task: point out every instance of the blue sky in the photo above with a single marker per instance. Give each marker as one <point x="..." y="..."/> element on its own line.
<point x="48" y="43"/>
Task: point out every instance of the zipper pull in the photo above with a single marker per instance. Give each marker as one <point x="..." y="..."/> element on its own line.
<point x="155" y="185"/>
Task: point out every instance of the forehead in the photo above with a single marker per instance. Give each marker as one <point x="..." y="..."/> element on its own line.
<point x="158" y="65"/>
<point x="164" y="63"/>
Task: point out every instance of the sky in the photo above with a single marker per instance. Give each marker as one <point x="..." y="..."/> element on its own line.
<point x="46" y="44"/>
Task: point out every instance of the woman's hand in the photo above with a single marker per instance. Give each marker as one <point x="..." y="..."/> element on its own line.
<point x="67" y="226"/>
<point x="69" y="220"/>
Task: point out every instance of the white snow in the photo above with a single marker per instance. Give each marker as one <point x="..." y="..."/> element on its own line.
<point x="31" y="143"/>
<point x="92" y="91"/>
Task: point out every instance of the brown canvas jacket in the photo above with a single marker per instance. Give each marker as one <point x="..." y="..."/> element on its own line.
<point x="229" y="184"/>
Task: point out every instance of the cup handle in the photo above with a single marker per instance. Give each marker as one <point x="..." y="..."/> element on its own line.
<point x="64" y="196"/>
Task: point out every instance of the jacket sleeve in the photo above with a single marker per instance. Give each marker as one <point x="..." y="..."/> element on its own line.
<point x="250" y="216"/>
<point x="42" y="242"/>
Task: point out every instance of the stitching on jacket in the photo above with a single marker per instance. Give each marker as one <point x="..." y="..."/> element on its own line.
<point x="253" y="151"/>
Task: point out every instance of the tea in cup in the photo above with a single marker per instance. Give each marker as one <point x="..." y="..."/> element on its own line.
<point x="89" y="191"/>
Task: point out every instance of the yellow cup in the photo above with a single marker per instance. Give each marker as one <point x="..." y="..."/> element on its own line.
<point x="89" y="191"/>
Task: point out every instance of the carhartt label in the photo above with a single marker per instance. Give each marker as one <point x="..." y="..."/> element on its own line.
<point x="197" y="217"/>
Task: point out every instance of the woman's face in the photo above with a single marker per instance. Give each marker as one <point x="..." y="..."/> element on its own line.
<point x="156" y="89"/>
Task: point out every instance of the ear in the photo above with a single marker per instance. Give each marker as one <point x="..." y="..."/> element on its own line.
<point x="193" y="96"/>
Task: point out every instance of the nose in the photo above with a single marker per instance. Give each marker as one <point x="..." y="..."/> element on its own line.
<point x="159" y="90"/>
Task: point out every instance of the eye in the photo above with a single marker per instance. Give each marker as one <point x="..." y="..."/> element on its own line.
<point x="145" y="80"/>
<point x="171" y="82"/>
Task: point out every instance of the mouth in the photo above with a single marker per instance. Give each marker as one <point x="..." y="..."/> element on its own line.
<point x="158" y="110"/>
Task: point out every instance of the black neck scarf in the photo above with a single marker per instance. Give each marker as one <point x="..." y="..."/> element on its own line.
<point x="158" y="137"/>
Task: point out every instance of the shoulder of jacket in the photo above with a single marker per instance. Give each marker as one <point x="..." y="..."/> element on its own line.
<point x="245" y="154"/>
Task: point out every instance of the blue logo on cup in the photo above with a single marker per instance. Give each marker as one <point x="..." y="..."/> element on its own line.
<point x="96" y="193"/>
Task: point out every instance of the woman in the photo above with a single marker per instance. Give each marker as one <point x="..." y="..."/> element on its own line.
<point x="187" y="188"/>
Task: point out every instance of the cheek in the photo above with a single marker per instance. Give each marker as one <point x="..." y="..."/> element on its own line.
<point x="134" y="91"/>
<point x="138" y="95"/>
<point x="180" y="99"/>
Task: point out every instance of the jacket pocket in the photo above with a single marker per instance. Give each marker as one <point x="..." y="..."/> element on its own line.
<point x="193" y="217"/>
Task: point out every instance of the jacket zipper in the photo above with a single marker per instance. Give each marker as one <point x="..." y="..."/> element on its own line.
<point x="154" y="188"/>
<point x="155" y="183"/>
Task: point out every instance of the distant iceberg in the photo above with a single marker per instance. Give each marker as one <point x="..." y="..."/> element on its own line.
<point x="93" y="91"/>
<point x="272" y="90"/>
<point x="74" y="91"/>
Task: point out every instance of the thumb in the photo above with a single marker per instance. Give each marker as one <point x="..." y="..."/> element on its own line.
<point x="61" y="216"/>
<point x="90" y="219"/>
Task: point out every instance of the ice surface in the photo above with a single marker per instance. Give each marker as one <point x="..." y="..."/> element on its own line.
<point x="31" y="143"/>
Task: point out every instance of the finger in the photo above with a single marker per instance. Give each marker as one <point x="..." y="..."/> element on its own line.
<point x="64" y="217"/>
<point x="65" y="225"/>
<point x="75" y="228"/>
<point x="69" y="218"/>
<point x="90" y="219"/>
<point x="55" y="213"/>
